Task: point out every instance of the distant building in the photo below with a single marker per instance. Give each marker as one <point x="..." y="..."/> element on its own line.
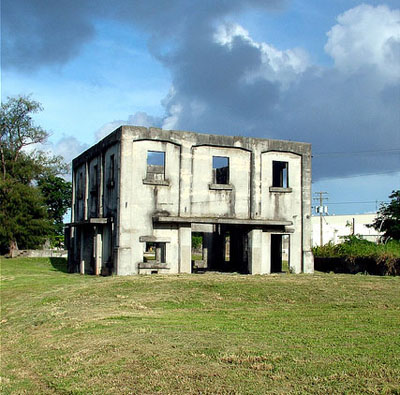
<point x="335" y="227"/>
<point x="139" y="194"/>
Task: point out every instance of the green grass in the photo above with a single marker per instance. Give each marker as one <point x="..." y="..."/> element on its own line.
<point x="191" y="334"/>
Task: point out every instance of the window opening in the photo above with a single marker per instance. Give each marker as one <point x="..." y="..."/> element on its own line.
<point x="149" y="252"/>
<point x="80" y="186"/>
<point x="93" y="189"/>
<point x="155" y="165"/>
<point x="280" y="174"/>
<point x="111" y="172"/>
<point x="220" y="170"/>
<point x="155" y="252"/>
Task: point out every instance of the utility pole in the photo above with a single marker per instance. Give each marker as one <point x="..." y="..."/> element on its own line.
<point x="321" y="209"/>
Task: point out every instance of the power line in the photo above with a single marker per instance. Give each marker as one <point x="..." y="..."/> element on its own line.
<point x="338" y="153"/>
<point x="364" y="174"/>
<point x="368" y="201"/>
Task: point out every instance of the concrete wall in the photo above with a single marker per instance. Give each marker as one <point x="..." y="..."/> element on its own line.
<point x="39" y="254"/>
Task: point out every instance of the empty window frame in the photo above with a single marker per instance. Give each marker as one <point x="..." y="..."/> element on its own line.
<point x="155" y="165"/>
<point x="111" y="172"/>
<point x="155" y="252"/>
<point x="220" y="170"/>
<point x="79" y="192"/>
<point x="94" y="180"/>
<point x="280" y="174"/>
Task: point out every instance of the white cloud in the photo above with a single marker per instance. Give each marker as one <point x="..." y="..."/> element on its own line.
<point x="366" y="36"/>
<point x="68" y="147"/>
<point x="140" y="118"/>
<point x="275" y="65"/>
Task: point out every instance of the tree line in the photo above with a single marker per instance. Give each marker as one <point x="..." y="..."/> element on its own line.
<point x="33" y="195"/>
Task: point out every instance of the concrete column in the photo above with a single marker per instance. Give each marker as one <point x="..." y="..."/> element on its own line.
<point x="158" y="254"/>
<point x="265" y="253"/>
<point x="98" y="250"/>
<point x="295" y="252"/>
<point x="185" y="249"/>
<point x="307" y="256"/>
<point x="82" y="253"/>
<point x="204" y="255"/>
<point x="255" y="251"/>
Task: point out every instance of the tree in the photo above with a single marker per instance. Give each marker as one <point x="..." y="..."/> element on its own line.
<point x="26" y="218"/>
<point x="57" y="195"/>
<point x="388" y="219"/>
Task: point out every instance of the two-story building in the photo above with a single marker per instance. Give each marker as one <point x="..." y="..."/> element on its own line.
<point x="145" y="190"/>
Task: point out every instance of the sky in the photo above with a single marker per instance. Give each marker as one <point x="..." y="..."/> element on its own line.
<point x="324" y="72"/>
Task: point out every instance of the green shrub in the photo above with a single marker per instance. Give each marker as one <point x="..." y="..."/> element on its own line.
<point x="354" y="249"/>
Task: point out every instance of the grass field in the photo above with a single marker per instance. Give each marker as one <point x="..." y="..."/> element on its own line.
<point x="191" y="334"/>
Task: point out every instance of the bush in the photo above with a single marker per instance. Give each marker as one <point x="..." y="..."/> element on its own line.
<point x="385" y="258"/>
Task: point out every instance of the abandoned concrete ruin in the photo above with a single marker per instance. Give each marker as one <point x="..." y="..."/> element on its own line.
<point x="140" y="193"/>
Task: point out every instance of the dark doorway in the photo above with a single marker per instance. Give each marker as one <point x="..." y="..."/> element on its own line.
<point x="280" y="245"/>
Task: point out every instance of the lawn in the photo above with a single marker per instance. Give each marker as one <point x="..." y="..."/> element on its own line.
<point x="191" y="334"/>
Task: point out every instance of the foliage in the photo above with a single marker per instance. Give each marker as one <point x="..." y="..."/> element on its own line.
<point x="57" y="195"/>
<point x="384" y="258"/>
<point x="197" y="240"/>
<point x="23" y="217"/>
<point x="191" y="334"/>
<point x="388" y="219"/>
<point x="354" y="246"/>
<point x="25" y="220"/>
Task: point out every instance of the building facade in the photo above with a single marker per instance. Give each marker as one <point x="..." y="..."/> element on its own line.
<point x="140" y="193"/>
<point x="335" y="228"/>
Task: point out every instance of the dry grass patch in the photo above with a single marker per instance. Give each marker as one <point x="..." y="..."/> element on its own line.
<point x="194" y="334"/>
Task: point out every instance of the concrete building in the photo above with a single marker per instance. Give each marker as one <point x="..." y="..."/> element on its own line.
<point x="144" y="191"/>
<point x="336" y="227"/>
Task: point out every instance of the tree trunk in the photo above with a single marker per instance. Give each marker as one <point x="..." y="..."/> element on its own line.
<point x="13" y="248"/>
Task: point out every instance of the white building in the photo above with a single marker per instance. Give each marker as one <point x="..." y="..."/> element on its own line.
<point x="335" y="227"/>
<point x="143" y="189"/>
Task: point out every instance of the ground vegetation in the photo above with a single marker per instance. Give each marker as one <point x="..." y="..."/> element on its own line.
<point x="191" y="334"/>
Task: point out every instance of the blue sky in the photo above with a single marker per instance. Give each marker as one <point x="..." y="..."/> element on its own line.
<point x="325" y="72"/>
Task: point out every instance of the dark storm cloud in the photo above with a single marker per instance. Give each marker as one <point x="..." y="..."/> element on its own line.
<point x="227" y="83"/>
<point x="42" y="32"/>
<point x="351" y="107"/>
<point x="47" y="32"/>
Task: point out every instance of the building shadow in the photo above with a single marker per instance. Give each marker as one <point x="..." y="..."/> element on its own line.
<point x="59" y="264"/>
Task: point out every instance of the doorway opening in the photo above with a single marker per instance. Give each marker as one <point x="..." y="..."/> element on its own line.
<point x="280" y="245"/>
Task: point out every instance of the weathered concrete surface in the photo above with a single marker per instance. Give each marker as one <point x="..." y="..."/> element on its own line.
<point x="163" y="203"/>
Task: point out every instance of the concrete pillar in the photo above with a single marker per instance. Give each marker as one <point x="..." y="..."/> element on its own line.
<point x="158" y="254"/>
<point x="255" y="251"/>
<point x="82" y="253"/>
<point x="265" y="267"/>
<point x="185" y="249"/>
<point x="295" y="252"/>
<point x="204" y="255"/>
<point x="98" y="250"/>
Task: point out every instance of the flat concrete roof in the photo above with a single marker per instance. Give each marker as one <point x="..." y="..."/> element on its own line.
<point x="221" y="220"/>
